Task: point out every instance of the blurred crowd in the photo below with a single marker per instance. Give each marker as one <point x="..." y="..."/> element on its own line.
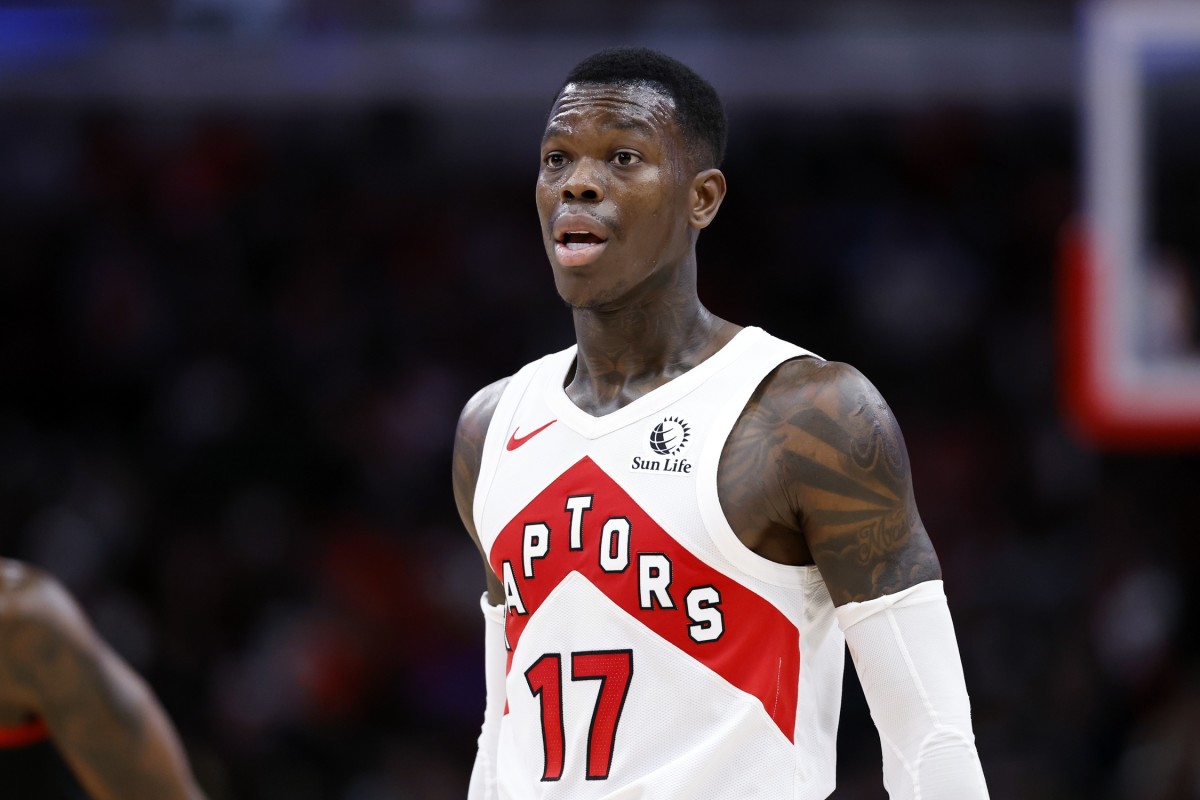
<point x="233" y="347"/>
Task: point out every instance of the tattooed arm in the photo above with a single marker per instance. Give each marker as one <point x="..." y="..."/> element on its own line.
<point x="816" y="472"/>
<point x="854" y="490"/>
<point x="101" y="715"/>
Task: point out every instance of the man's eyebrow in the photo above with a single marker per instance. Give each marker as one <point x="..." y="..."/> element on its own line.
<point x="553" y="131"/>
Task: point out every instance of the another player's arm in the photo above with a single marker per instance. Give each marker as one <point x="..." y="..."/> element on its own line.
<point x="102" y="716"/>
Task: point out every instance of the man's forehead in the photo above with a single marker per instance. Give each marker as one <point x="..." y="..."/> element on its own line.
<point x="631" y="105"/>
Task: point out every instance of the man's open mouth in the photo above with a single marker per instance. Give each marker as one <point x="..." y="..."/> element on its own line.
<point x="577" y="240"/>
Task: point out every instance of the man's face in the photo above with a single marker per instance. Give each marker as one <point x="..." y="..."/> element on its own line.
<point x="613" y="192"/>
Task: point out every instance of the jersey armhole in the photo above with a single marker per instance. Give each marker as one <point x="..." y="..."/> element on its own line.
<point x="493" y="443"/>
<point x="770" y="356"/>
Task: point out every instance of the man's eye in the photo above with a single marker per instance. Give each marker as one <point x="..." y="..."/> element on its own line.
<point x="555" y="160"/>
<point x="626" y="159"/>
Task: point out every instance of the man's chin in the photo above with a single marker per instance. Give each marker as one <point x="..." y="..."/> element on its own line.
<point x="584" y="295"/>
<point x="580" y="299"/>
<point x="589" y="304"/>
<point x="576" y="293"/>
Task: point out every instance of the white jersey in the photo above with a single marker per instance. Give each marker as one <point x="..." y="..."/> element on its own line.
<point x="651" y="654"/>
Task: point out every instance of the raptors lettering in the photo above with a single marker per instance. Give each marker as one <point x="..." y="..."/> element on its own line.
<point x="611" y="542"/>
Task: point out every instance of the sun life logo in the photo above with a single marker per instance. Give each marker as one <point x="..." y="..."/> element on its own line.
<point x="669" y="436"/>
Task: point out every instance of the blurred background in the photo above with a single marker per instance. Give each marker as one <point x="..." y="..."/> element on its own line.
<point x="256" y="254"/>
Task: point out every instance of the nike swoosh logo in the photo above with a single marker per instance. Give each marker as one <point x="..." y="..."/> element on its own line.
<point x="516" y="441"/>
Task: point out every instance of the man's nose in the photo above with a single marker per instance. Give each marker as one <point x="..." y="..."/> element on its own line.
<point x="583" y="183"/>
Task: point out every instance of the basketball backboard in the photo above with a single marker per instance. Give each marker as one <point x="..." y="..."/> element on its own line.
<point x="1130" y="270"/>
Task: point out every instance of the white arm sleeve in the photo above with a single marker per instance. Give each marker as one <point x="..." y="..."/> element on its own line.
<point x="483" y="776"/>
<point x="904" y="650"/>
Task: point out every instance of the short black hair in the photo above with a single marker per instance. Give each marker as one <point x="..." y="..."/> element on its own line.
<point x="698" y="108"/>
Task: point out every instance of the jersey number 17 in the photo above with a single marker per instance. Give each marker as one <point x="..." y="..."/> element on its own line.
<point x="614" y="670"/>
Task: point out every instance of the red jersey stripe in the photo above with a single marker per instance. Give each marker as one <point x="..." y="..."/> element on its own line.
<point x="751" y="624"/>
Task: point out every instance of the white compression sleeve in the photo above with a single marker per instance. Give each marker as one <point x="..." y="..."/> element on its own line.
<point x="907" y="659"/>
<point x="483" y="775"/>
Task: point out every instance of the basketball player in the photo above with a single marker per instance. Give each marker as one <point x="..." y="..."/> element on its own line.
<point x="72" y="713"/>
<point x="684" y="521"/>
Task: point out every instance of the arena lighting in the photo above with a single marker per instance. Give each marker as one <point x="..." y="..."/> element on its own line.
<point x="1129" y="311"/>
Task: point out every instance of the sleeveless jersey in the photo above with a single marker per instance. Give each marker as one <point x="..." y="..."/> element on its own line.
<point x="31" y="767"/>
<point x="651" y="655"/>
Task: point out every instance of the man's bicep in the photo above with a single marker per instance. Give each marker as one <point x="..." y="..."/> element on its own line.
<point x="883" y="553"/>
<point x="856" y="502"/>
<point x="469" y="439"/>
<point x="114" y="734"/>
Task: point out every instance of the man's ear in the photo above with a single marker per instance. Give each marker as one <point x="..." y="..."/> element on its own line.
<point x="708" y="190"/>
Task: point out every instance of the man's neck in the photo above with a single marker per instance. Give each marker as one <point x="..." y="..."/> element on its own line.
<point x="624" y="354"/>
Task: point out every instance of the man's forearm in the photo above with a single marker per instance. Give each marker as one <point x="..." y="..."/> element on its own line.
<point x="906" y="655"/>
<point x="117" y="738"/>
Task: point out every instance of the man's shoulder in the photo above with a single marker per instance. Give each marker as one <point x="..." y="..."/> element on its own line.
<point x="470" y="435"/>
<point x="808" y="382"/>
<point x="811" y="406"/>
<point x="477" y="413"/>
